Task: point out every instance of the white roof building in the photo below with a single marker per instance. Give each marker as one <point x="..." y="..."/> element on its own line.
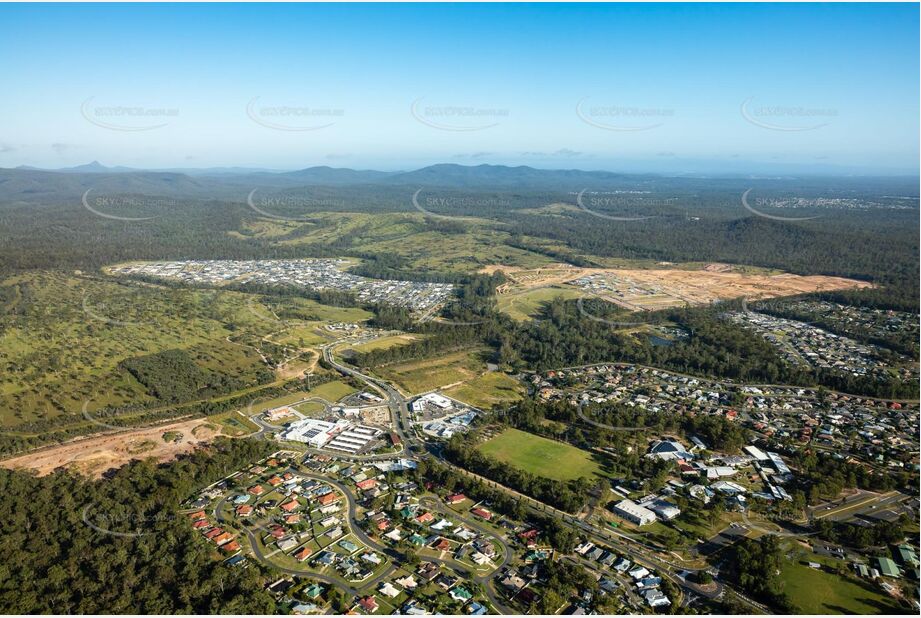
<point x="755" y="452"/>
<point x="439" y="401"/>
<point x="663" y="509"/>
<point x="633" y="512"/>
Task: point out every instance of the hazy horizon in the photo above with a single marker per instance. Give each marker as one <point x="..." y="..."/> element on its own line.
<point x="630" y="168"/>
<point x="801" y="88"/>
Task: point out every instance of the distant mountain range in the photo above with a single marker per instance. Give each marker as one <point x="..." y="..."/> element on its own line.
<point x="96" y="167"/>
<point x="442" y="174"/>
<point x="29" y="184"/>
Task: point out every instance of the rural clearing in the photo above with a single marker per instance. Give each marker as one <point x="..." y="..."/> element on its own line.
<point x="93" y="456"/>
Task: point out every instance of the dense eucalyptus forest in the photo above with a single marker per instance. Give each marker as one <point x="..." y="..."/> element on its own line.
<point x="45" y="224"/>
<point x="138" y="556"/>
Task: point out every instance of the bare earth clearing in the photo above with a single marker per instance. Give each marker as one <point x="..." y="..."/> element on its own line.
<point x="656" y="288"/>
<point x="93" y="456"/>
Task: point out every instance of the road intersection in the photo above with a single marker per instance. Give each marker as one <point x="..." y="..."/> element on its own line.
<point x="639" y="552"/>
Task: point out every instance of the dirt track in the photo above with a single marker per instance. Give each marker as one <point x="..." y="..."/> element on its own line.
<point x="94" y="456"/>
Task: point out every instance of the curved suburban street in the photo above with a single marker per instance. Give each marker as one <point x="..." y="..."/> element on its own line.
<point x="640" y="552"/>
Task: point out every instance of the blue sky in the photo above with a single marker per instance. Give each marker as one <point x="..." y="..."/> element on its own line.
<point x="661" y="88"/>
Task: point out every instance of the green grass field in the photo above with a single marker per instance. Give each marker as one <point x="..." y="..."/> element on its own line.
<point x="386" y="342"/>
<point x="310" y="408"/>
<point x="528" y="304"/>
<point x="332" y="391"/>
<point x="284" y="400"/>
<point x="541" y="456"/>
<point x="821" y="592"/>
<point x="423" y="375"/>
<point x="302" y="336"/>
<point x="233" y="424"/>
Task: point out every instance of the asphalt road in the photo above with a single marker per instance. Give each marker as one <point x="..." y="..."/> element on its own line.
<point x="486" y="581"/>
<point x="637" y="551"/>
<point x="397" y="403"/>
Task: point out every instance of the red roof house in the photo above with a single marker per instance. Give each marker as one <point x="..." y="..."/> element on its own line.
<point x="287" y="507"/>
<point x="231" y="547"/>
<point x="225" y="537"/>
<point x="425" y="518"/>
<point x="369" y="604"/>
<point x="329" y="498"/>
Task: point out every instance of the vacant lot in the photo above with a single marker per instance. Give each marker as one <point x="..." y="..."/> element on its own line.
<point x="65" y="340"/>
<point x="821" y="592"/>
<point x="302" y="336"/>
<point x="487" y="390"/>
<point x="332" y="391"/>
<point x="527" y="304"/>
<point x="656" y="288"/>
<point x="233" y="424"/>
<point x="540" y="456"/>
<point x="93" y="456"/>
<point x="383" y="343"/>
<point x="423" y="375"/>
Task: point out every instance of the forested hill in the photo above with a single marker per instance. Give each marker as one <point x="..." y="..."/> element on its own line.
<point x="53" y="561"/>
<point x="28" y="184"/>
<point x="851" y="227"/>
